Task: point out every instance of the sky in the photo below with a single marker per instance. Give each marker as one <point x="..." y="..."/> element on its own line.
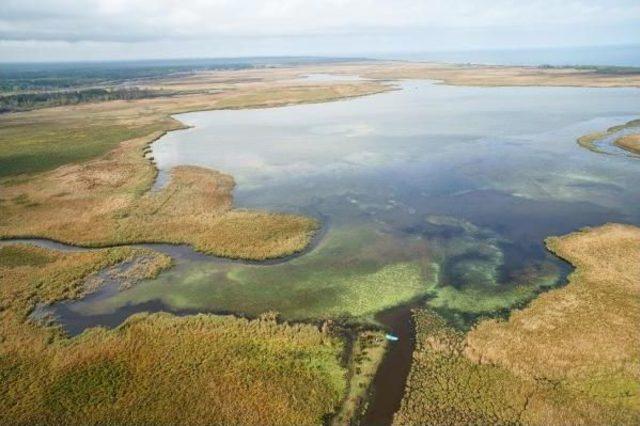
<point x="71" y="30"/>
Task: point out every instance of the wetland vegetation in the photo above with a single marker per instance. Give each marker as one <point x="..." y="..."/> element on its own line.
<point x="571" y="357"/>
<point x="406" y="214"/>
<point x="158" y="369"/>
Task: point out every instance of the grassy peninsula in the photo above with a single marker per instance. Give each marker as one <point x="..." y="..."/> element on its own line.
<point x="628" y="142"/>
<point x="570" y="357"/>
<point x="94" y="180"/>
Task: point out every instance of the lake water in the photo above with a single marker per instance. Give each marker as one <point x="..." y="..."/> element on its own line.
<point x="429" y="192"/>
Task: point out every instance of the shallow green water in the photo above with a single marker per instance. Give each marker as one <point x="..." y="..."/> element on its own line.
<point x="437" y="192"/>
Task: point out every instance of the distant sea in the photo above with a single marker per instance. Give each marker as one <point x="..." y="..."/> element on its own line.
<point x="624" y="56"/>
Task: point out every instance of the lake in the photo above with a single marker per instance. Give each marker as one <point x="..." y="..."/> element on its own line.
<point x="429" y="194"/>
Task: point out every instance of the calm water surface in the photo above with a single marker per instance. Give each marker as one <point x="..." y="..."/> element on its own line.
<point x="432" y="195"/>
<point x="431" y="191"/>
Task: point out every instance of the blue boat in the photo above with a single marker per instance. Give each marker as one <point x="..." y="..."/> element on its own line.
<point x="391" y="337"/>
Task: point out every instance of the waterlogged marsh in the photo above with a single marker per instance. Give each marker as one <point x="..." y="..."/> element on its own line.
<point x="430" y="192"/>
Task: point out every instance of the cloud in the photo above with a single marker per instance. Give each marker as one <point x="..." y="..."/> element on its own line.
<point x="149" y="20"/>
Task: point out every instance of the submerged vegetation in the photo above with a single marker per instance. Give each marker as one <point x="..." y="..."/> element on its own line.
<point x="317" y="285"/>
<point x="470" y="260"/>
<point x="357" y="272"/>
<point x="157" y="369"/>
<point x="571" y="357"/>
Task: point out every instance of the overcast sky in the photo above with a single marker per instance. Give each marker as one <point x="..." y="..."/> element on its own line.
<point x="134" y="29"/>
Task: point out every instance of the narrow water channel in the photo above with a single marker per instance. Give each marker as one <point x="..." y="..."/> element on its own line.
<point x="388" y="384"/>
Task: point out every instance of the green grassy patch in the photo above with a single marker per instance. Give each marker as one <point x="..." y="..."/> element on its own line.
<point x="100" y="382"/>
<point x="28" y="147"/>
<point x="14" y="255"/>
<point x="446" y="388"/>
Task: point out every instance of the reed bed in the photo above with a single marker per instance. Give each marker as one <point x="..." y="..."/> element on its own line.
<point x="570" y="357"/>
<point x="153" y="369"/>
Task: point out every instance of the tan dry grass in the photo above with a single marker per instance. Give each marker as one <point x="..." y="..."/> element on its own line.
<point x="495" y="76"/>
<point x="588" y="141"/>
<point x="571" y="357"/>
<point x="591" y="324"/>
<point x="630" y="143"/>
<point x="467" y="75"/>
<point x="103" y="202"/>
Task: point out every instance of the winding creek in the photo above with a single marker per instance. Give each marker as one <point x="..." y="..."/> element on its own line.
<point x="432" y="194"/>
<point x="607" y="144"/>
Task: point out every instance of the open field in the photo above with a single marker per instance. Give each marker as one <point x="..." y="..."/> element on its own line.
<point x="571" y="357"/>
<point x="157" y="369"/>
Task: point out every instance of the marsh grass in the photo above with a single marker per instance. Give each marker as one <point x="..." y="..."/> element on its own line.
<point x="589" y="141"/>
<point x="570" y="357"/>
<point x="367" y="353"/>
<point x="445" y="388"/>
<point x="14" y="256"/>
<point x="153" y="369"/>
<point x="103" y="202"/>
<point x="501" y="76"/>
<point x="584" y="333"/>
<point x="98" y="383"/>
